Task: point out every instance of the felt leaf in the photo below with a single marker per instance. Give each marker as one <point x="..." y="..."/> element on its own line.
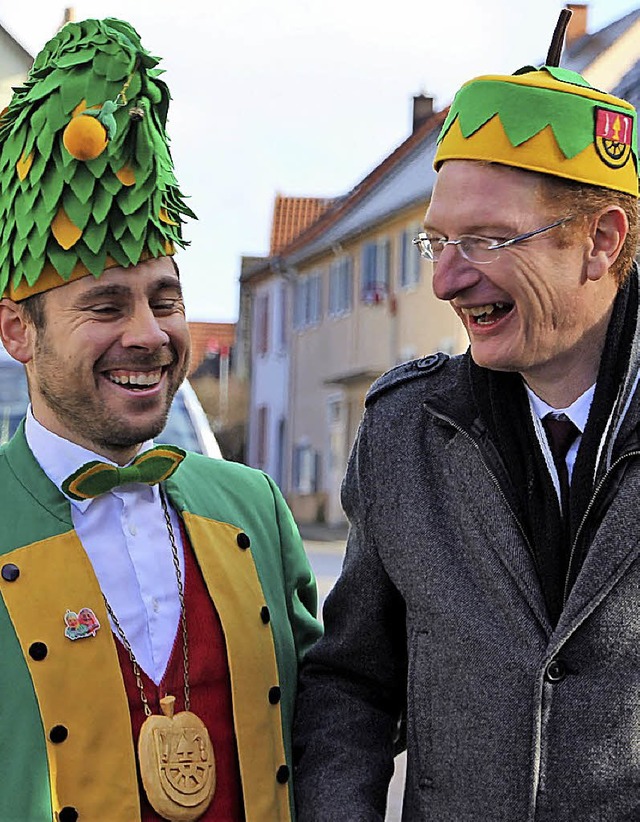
<point x="82" y="183"/>
<point x="63" y="261"/>
<point x="44" y="88"/>
<point x="117" y="223"/>
<point x="76" y="58"/>
<point x="98" y="165"/>
<point x="118" y="70"/>
<point x="114" y="250"/>
<point x="44" y="141"/>
<point x="23" y="215"/>
<point x="51" y="188"/>
<point x="18" y="245"/>
<point x="75" y="209"/>
<point x="93" y="261"/>
<point x="13" y="148"/>
<point x="94" y="234"/>
<point x="126" y="175"/>
<point x="37" y="243"/>
<point x="102" y="62"/>
<point x="101" y="203"/>
<point x="23" y="165"/>
<point x="27" y="199"/>
<point x="42" y="216"/>
<point x="130" y="199"/>
<point x="155" y="243"/>
<point x="110" y="182"/>
<point x="73" y="91"/>
<point x="166" y="218"/>
<point x="139" y="221"/>
<point x="132" y="246"/>
<point x="66" y="233"/>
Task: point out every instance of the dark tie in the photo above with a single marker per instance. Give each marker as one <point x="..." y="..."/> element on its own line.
<point x="561" y="434"/>
<point x="96" y="478"/>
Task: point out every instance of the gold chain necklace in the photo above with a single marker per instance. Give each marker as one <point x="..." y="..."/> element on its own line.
<point x="175" y="754"/>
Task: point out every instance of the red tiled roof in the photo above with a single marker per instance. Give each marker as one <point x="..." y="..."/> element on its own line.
<point x="291" y="215"/>
<point x="209" y="337"/>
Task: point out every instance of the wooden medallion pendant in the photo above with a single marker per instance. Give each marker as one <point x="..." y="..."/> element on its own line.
<point x="177" y="763"/>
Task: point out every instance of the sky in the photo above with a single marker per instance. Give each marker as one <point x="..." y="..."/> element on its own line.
<point x="299" y="97"/>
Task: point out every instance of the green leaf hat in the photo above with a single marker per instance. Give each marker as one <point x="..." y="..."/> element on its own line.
<point x="86" y="174"/>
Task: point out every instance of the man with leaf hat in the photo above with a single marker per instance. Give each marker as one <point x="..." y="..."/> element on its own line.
<point x="489" y="602"/>
<point x="154" y="605"/>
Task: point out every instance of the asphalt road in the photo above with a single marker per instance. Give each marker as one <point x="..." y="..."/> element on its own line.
<point x="326" y="560"/>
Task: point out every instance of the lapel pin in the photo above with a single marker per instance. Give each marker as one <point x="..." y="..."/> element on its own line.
<point x="81" y="624"/>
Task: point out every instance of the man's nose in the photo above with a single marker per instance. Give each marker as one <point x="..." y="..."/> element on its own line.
<point x="144" y="330"/>
<point x="453" y="273"/>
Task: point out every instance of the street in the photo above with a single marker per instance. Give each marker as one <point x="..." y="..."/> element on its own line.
<point x="326" y="561"/>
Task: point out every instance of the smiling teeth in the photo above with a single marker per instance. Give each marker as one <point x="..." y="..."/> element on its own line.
<point x="152" y="378"/>
<point x="479" y="310"/>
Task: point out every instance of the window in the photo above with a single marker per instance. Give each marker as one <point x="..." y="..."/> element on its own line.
<point x="283" y="334"/>
<point x="340" y="286"/>
<point x="262" y="438"/>
<point x="262" y="323"/>
<point x="375" y="267"/>
<point x="306" y="469"/>
<point x="409" y="258"/>
<point x="308" y="300"/>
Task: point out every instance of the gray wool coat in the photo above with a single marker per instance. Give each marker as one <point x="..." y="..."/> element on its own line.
<point x="438" y="617"/>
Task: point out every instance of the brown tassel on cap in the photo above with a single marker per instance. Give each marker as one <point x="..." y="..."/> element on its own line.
<point x="557" y="41"/>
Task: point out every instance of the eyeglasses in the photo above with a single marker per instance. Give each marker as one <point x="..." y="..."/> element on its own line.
<point x="478" y="250"/>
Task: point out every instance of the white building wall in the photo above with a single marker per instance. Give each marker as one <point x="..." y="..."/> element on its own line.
<point x="14" y="66"/>
<point x="268" y="428"/>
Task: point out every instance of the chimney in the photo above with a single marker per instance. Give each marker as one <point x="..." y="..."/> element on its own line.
<point x="577" y="27"/>
<point x="422" y="110"/>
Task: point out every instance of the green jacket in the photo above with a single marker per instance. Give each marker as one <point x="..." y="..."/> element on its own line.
<point x="44" y="571"/>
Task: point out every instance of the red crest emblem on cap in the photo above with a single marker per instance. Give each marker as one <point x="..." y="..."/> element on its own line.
<point x="613" y="135"/>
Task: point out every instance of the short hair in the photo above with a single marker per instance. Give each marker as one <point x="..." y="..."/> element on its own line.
<point x="565" y="197"/>
<point x="34" y="311"/>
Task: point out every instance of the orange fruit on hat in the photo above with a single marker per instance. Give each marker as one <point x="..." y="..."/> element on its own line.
<point x="85" y="138"/>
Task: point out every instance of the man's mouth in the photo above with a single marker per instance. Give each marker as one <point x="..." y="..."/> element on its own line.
<point x="487" y="314"/>
<point x="136" y="380"/>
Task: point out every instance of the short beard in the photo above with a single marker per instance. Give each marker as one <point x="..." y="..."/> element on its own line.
<point x="79" y="412"/>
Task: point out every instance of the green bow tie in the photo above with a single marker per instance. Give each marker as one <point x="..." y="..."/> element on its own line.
<point x="96" y="478"/>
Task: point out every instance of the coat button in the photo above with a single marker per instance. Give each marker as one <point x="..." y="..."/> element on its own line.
<point x="243" y="541"/>
<point x="10" y="572"/>
<point x="282" y="775"/>
<point x="274" y="695"/>
<point x="556" y="671"/>
<point x="68" y="814"/>
<point x="265" y="616"/>
<point x="58" y="734"/>
<point x="38" y="651"/>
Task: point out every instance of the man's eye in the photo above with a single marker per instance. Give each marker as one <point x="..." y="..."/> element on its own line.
<point x="104" y="310"/>
<point x="167" y="305"/>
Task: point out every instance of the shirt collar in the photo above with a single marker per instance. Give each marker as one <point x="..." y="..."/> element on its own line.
<point x="59" y="457"/>
<point x="577" y="412"/>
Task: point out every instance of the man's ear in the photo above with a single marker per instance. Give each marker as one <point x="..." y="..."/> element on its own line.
<point x="18" y="335"/>
<point x="608" y="232"/>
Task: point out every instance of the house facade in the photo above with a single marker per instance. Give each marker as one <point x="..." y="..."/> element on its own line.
<point x="266" y="310"/>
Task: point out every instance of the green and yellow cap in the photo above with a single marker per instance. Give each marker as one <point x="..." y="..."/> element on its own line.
<point x="86" y="174"/>
<point x="546" y="119"/>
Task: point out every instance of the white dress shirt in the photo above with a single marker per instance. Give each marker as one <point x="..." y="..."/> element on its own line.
<point x="577" y="412"/>
<point x="125" y="536"/>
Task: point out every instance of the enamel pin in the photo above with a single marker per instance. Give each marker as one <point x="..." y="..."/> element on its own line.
<point x="80" y="625"/>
